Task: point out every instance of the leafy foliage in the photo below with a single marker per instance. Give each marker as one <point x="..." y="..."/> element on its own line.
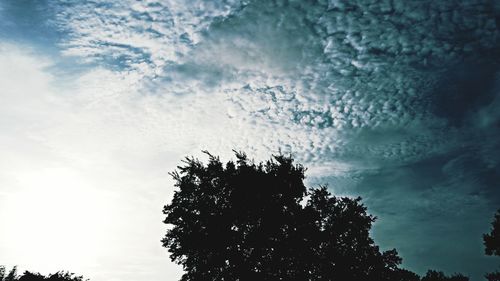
<point x="492" y="245"/>
<point x="492" y="239"/>
<point x="246" y="221"/>
<point x="433" y="275"/>
<point x="405" y="275"/>
<point x="58" y="276"/>
<point x="493" y="276"/>
<point x="30" y="276"/>
<point x="11" y="276"/>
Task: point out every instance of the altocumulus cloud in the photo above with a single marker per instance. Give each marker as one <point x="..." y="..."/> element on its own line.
<point x="395" y="101"/>
<point x="324" y="68"/>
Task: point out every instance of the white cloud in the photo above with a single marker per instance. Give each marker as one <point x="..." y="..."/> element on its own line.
<point x="65" y="154"/>
<point x="347" y="86"/>
<point x="100" y="149"/>
<point x="320" y="69"/>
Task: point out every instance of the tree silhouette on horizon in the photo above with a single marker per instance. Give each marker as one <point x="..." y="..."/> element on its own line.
<point x="35" y="276"/>
<point x="257" y="222"/>
<point x="492" y="245"/>
<point x="433" y="275"/>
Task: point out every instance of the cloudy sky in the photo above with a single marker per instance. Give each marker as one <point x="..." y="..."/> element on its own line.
<point x="395" y="101"/>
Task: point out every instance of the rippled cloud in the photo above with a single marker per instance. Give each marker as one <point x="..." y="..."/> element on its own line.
<point x="394" y="101"/>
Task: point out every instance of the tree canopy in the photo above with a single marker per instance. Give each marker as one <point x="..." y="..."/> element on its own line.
<point x="492" y="245"/>
<point x="492" y="239"/>
<point x="32" y="276"/>
<point x="247" y="221"/>
<point x="433" y="275"/>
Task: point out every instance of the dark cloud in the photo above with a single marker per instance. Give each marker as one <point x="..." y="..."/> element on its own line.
<point x="464" y="89"/>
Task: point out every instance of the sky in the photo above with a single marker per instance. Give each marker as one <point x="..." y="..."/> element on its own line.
<point x="394" y="101"/>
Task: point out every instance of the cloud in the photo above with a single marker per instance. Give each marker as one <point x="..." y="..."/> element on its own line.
<point x="63" y="160"/>
<point x="130" y="33"/>
<point x="335" y="70"/>
<point x="394" y="101"/>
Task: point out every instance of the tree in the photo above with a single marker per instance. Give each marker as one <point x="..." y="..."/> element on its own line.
<point x="433" y="275"/>
<point x="405" y="275"/>
<point x="493" y="276"/>
<point x="12" y="274"/>
<point x="58" y="276"/>
<point x="31" y="276"/>
<point x="246" y="221"/>
<point x="492" y="245"/>
<point x="492" y="239"/>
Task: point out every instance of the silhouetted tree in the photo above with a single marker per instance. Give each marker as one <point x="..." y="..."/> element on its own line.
<point x="58" y="276"/>
<point x="30" y="276"/>
<point x="246" y="221"/>
<point x="492" y="239"/>
<point x="492" y="245"/>
<point x="493" y="276"/>
<point x="405" y="275"/>
<point x="433" y="275"/>
<point x="12" y="274"/>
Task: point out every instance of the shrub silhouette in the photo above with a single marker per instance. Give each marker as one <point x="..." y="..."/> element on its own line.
<point x="492" y="245"/>
<point x="11" y="276"/>
<point x="30" y="276"/>
<point x="433" y="275"/>
<point x="246" y="221"/>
